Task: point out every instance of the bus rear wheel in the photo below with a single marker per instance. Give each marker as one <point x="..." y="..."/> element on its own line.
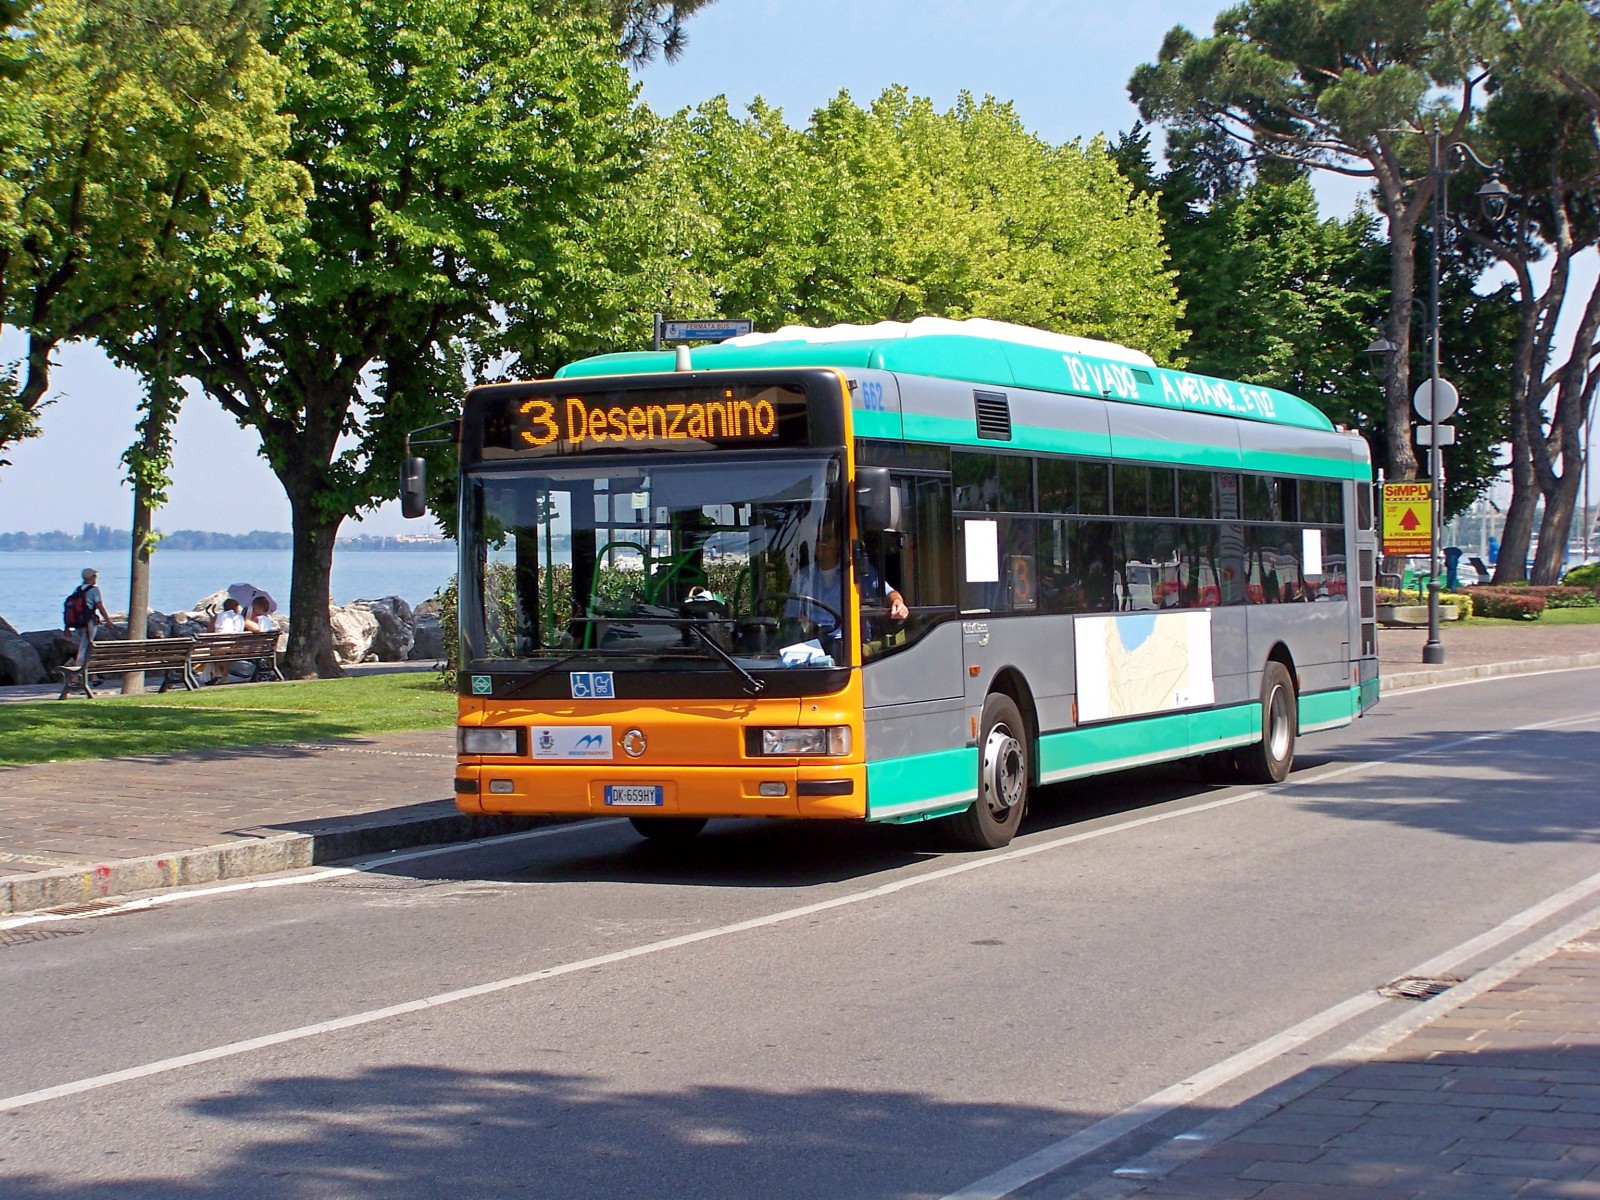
<point x="668" y="831"/>
<point x="1269" y="760"/>
<point x="1003" y="771"/>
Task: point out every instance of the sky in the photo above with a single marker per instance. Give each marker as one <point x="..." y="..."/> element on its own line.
<point x="1065" y="66"/>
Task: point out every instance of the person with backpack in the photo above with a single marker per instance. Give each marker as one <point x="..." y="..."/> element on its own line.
<point x="84" y="611"/>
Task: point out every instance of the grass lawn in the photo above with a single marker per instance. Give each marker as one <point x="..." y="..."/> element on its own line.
<point x="237" y="715"/>
<point x="1551" y="616"/>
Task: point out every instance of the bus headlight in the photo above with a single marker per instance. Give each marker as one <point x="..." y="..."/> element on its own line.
<point x="491" y="741"/>
<point x="827" y="739"/>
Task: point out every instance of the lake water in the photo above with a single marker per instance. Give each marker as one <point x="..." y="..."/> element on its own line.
<point x="34" y="583"/>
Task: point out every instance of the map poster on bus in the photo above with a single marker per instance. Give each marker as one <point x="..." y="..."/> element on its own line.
<point x="1133" y="664"/>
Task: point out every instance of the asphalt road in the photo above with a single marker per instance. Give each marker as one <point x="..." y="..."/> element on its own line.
<point x="784" y="1010"/>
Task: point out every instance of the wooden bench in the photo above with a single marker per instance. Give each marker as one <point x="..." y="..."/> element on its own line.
<point x="259" y="648"/>
<point x="167" y="655"/>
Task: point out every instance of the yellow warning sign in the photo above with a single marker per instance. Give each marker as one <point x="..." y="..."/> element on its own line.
<point x="1407" y="518"/>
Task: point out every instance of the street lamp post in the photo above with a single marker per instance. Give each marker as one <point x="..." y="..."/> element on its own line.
<point x="1493" y="199"/>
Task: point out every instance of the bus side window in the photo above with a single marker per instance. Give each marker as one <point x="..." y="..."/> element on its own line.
<point x="916" y="560"/>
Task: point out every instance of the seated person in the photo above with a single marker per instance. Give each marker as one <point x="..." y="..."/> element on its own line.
<point x="822" y="579"/>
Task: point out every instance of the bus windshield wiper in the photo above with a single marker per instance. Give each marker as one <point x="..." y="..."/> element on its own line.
<point x="531" y="678"/>
<point x="752" y="685"/>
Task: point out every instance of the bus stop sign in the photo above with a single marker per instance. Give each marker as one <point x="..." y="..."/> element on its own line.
<point x="1408" y="518"/>
<point x="705" y="331"/>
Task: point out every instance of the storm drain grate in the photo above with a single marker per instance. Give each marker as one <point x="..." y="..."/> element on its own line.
<point x="379" y="883"/>
<point x="19" y="937"/>
<point x="1418" y="987"/>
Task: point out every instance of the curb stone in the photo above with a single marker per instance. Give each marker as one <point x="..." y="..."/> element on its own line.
<point x="1412" y="679"/>
<point x="267" y="854"/>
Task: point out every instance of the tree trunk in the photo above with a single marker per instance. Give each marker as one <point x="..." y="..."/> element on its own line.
<point x="139" y="584"/>
<point x="1556" y="527"/>
<point x="1517" y="536"/>
<point x="310" y="653"/>
<point x="1402" y="459"/>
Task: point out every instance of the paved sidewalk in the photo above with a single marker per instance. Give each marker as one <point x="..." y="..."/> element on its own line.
<point x="1498" y="1097"/>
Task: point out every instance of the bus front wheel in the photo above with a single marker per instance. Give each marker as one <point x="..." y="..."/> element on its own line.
<point x="667" y="830"/>
<point x="1269" y="760"/>
<point x="1003" y="771"/>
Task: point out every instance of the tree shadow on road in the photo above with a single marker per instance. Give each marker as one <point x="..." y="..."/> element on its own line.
<point x="414" y="1131"/>
<point x="1539" y="786"/>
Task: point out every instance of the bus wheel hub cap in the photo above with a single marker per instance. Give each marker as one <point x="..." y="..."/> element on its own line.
<point x="1003" y="778"/>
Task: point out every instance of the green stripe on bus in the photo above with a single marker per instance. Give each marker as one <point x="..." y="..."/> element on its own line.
<point x="1092" y="749"/>
<point x="1327" y="710"/>
<point x="869" y="424"/>
<point x="898" y="787"/>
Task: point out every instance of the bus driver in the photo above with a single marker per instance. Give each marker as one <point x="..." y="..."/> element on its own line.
<point x="823" y="580"/>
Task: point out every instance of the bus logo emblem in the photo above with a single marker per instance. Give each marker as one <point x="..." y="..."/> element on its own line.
<point x="547" y="741"/>
<point x="634" y="742"/>
<point x="482" y="685"/>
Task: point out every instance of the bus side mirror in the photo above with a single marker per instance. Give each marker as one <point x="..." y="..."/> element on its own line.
<point x="413" y="487"/>
<point x="874" y="500"/>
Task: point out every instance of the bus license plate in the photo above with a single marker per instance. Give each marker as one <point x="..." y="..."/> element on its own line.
<point x="634" y="795"/>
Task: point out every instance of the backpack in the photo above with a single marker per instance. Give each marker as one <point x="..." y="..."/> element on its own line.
<point x="75" y="610"/>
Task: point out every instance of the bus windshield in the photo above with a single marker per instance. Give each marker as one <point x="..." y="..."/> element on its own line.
<point x="673" y="566"/>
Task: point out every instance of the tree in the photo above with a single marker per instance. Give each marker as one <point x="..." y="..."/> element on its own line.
<point x="1274" y="294"/>
<point x="145" y="119"/>
<point x="1544" y="117"/>
<point x="459" y="158"/>
<point x="899" y="210"/>
<point x="1343" y="86"/>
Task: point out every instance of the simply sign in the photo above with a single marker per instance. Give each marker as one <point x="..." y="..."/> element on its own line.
<point x="1408" y="518"/>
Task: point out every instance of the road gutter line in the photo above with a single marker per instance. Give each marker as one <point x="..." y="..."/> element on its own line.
<point x="371" y="1016"/>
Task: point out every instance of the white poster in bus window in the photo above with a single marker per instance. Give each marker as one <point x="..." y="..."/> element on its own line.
<point x="1133" y="664"/>
<point x="1311" y="552"/>
<point x="983" y="551"/>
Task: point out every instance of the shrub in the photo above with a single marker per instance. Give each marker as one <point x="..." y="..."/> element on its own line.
<point x="1587" y="576"/>
<point x="1570" y="597"/>
<point x="1462" y="600"/>
<point x="1516" y="604"/>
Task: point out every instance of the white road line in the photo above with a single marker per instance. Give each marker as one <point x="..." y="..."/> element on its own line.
<point x="1102" y="1133"/>
<point x="371" y="1016"/>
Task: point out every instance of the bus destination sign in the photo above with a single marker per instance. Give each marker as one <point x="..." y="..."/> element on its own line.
<point x="657" y="419"/>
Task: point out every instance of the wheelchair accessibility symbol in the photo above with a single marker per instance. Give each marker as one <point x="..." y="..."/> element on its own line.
<point x="592" y="685"/>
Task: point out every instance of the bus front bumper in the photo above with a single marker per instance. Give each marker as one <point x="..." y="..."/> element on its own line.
<point x="815" y="790"/>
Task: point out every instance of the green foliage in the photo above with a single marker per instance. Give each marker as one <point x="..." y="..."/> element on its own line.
<point x="461" y="157"/>
<point x="1585" y="576"/>
<point x="1461" y="600"/>
<point x="149" y="166"/>
<point x="899" y="210"/>
<point x="243" y="715"/>
<point x="1341" y="85"/>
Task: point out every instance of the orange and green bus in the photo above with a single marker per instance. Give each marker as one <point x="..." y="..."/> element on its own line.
<point x="896" y="573"/>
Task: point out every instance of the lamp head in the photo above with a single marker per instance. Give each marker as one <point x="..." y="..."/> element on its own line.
<point x="1494" y="199"/>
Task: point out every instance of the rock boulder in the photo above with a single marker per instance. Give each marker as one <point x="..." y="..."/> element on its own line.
<point x="392" y="642"/>
<point x="19" y="662"/>
<point x="427" y="637"/>
<point x="354" y="630"/>
<point x="54" y="647"/>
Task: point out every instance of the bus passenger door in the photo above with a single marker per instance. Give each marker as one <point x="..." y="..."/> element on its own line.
<point x="912" y="675"/>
